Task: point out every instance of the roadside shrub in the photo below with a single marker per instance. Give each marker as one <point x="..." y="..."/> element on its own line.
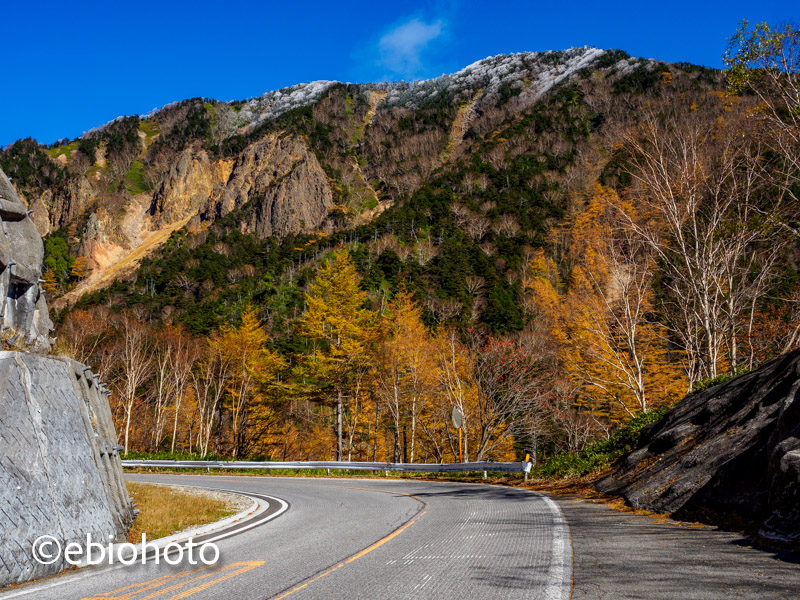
<point x="600" y="454"/>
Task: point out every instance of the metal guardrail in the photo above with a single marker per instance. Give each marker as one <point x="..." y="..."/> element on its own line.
<point x="496" y="467"/>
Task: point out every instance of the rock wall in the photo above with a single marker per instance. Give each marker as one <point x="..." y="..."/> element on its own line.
<point x="278" y="177"/>
<point x="188" y="185"/>
<point x="60" y="473"/>
<point x="729" y="454"/>
<point x="24" y="319"/>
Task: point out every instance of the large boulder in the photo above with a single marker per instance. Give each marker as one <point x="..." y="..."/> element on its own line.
<point x="729" y="454"/>
<point x="24" y="318"/>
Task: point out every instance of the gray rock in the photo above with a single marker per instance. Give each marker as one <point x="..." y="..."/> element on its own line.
<point x="729" y="454"/>
<point x="277" y="178"/>
<point x="24" y="309"/>
<point x="59" y="474"/>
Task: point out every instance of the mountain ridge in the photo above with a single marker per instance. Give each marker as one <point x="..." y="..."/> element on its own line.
<point x="329" y="156"/>
<point x="288" y="100"/>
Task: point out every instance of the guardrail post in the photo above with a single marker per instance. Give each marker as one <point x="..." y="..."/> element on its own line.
<point x="484" y="474"/>
<point x="328" y="471"/>
<point x="386" y="473"/>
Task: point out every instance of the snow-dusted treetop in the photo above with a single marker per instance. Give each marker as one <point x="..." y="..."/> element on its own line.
<point x="538" y="72"/>
<point x="103" y="127"/>
<point x="274" y="104"/>
<point x="530" y="73"/>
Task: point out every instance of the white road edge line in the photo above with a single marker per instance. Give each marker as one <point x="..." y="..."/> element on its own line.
<point x="65" y="577"/>
<point x="284" y="507"/>
<point x="559" y="579"/>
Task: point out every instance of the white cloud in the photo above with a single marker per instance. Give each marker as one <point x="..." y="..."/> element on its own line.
<point x="402" y="47"/>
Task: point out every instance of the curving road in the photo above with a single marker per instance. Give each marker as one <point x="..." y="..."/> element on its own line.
<point x="351" y="538"/>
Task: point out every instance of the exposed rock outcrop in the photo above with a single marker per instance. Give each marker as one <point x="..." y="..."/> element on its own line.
<point x="191" y="181"/>
<point x="57" y="208"/>
<point x="728" y="454"/>
<point x="284" y="184"/>
<point x="23" y="312"/>
<point x="278" y="177"/>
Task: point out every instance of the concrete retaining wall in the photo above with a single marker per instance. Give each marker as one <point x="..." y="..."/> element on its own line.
<point x="60" y="473"/>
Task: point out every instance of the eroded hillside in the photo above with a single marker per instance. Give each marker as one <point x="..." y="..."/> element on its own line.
<point x="509" y="138"/>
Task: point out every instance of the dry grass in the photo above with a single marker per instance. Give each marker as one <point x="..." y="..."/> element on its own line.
<point x="165" y="510"/>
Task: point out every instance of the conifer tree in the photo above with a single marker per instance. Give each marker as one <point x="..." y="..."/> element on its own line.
<point x="602" y="321"/>
<point x="406" y="370"/>
<point x="342" y="329"/>
<point x="251" y="363"/>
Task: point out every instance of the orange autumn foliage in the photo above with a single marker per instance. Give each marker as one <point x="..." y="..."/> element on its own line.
<point x="602" y="316"/>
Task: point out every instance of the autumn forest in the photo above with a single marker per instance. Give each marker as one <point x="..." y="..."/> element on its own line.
<point x="565" y="263"/>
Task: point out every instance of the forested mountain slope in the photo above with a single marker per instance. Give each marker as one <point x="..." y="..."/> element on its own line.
<point x="503" y="142"/>
<point x="512" y="217"/>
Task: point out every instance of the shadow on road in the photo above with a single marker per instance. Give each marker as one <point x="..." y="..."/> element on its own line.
<point x="622" y="555"/>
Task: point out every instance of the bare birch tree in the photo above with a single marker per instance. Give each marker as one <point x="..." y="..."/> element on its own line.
<point x="133" y="367"/>
<point x="696" y="183"/>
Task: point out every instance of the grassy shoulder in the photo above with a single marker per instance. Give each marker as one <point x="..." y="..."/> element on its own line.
<point x="164" y="510"/>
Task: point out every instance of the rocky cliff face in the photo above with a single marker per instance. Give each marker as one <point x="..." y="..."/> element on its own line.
<point x="728" y="454"/>
<point x="23" y="310"/>
<point x="188" y="186"/>
<point x="279" y="178"/>
<point x="57" y="208"/>
<point x="284" y="184"/>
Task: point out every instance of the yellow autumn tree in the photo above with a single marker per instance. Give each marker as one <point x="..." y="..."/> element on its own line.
<point x="251" y="367"/>
<point x="342" y="332"/>
<point x="80" y="268"/>
<point x="603" y="322"/>
<point x="455" y="374"/>
<point x="405" y="372"/>
<point x="50" y="283"/>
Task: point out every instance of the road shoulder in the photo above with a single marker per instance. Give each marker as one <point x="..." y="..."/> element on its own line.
<point x="623" y="555"/>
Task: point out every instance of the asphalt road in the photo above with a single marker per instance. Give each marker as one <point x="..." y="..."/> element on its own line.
<point x="373" y="539"/>
<point x="622" y="555"/>
<point x="358" y="539"/>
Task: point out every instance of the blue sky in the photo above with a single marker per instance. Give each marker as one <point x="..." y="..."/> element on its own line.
<point x="70" y="66"/>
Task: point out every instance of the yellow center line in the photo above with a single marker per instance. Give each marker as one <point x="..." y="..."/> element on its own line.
<point x="140" y="587"/>
<point x="247" y="567"/>
<point x="382" y="541"/>
<point x="154" y="583"/>
<point x="143" y="586"/>
<point x="364" y="552"/>
<point x="307" y="583"/>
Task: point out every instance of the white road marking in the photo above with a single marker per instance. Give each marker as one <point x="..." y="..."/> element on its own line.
<point x="101" y="570"/>
<point x="425" y="580"/>
<point x="559" y="579"/>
